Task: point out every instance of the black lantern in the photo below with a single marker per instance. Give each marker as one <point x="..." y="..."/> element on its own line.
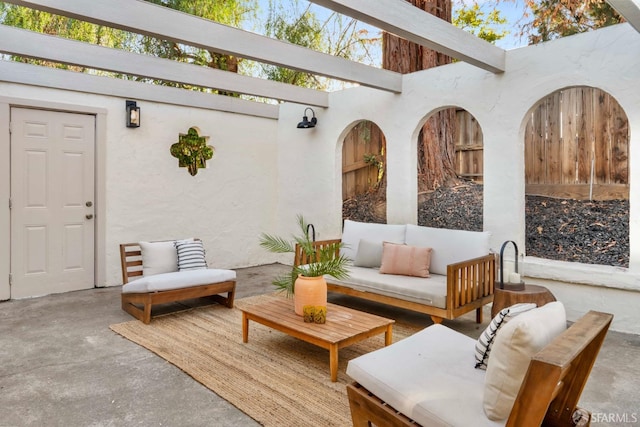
<point x="306" y="123"/>
<point x="133" y="114"/>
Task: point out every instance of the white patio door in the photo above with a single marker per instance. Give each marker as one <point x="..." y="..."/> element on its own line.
<point x="52" y="202"/>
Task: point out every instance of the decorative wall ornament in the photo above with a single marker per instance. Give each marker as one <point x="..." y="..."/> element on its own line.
<point x="192" y="151"/>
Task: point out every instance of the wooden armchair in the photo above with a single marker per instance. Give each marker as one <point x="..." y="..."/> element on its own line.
<point x="548" y="395"/>
<point x="139" y="304"/>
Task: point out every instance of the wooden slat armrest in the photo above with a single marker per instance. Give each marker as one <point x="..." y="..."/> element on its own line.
<point x="470" y="280"/>
<point x="559" y="372"/>
<point x="471" y="283"/>
<point x="485" y="259"/>
<point x="301" y="258"/>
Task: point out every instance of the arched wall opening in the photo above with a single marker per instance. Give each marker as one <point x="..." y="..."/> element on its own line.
<point x="577" y="178"/>
<point x="450" y="140"/>
<point x="364" y="196"/>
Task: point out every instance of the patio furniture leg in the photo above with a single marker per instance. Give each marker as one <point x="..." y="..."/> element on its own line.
<point x="245" y="327"/>
<point x="333" y="362"/>
<point x="479" y="315"/>
<point x="388" y="335"/>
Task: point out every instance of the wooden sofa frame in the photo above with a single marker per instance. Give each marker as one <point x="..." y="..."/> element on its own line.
<point x="470" y="285"/>
<point x="548" y="395"/>
<point x="131" y="261"/>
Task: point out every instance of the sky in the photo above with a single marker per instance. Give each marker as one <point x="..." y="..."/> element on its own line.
<point x="512" y="10"/>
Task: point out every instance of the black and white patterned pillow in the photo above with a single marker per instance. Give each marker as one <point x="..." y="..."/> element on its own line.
<point x="484" y="343"/>
<point x="190" y="255"/>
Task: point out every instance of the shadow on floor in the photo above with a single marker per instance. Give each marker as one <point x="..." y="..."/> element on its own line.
<point x="61" y="365"/>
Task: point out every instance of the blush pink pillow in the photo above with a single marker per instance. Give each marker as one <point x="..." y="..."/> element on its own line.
<point x="405" y="260"/>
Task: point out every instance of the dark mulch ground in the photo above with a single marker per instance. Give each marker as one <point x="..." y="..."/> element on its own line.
<point x="591" y="232"/>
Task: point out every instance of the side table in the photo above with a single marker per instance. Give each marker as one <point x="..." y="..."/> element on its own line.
<point x="532" y="293"/>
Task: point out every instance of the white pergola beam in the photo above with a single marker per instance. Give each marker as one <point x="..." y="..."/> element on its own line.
<point x="29" y="44"/>
<point x="167" y="24"/>
<point x="405" y="20"/>
<point x="629" y="9"/>
<point x="34" y="75"/>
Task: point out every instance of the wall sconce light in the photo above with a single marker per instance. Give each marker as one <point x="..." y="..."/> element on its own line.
<point x="133" y="114"/>
<point x="306" y="123"/>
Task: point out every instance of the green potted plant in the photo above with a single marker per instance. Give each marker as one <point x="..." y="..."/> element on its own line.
<point x="306" y="282"/>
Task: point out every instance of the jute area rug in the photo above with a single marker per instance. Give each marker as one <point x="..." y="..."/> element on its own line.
<point x="275" y="379"/>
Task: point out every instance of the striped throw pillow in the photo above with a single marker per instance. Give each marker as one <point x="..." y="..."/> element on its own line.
<point x="485" y="342"/>
<point x="190" y="255"/>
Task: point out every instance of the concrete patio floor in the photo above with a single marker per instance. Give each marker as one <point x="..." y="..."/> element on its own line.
<point x="61" y="365"/>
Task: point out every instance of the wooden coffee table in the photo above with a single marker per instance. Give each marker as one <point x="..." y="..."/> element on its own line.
<point x="344" y="326"/>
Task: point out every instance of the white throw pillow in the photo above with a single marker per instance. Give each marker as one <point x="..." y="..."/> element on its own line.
<point x="486" y="339"/>
<point x="369" y="254"/>
<point x="354" y="231"/>
<point x="190" y="255"/>
<point x="158" y="257"/>
<point x="515" y="344"/>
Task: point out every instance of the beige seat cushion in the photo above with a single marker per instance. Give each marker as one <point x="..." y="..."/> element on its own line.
<point x="428" y="377"/>
<point x="178" y="280"/>
<point x="430" y="291"/>
<point x="515" y="344"/>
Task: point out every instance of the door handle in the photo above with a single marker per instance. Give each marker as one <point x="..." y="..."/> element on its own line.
<point x="89" y="216"/>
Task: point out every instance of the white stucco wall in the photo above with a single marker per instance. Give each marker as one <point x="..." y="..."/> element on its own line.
<point x="608" y="59"/>
<point x="146" y="196"/>
<point x="264" y="171"/>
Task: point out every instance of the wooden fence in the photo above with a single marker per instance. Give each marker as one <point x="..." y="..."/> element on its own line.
<point x="362" y="152"/>
<point x="576" y="146"/>
<point x="469" y="145"/>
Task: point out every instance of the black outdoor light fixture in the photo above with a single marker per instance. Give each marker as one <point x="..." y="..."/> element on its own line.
<point x="133" y="114"/>
<point x="306" y="123"/>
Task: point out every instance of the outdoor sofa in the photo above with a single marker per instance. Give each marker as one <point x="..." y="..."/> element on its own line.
<point x="170" y="271"/>
<point x="458" y="265"/>
<point x="535" y="374"/>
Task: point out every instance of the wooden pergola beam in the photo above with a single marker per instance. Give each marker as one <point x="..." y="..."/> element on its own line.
<point x="16" y="72"/>
<point x="167" y="24"/>
<point x="629" y="10"/>
<point x="405" y="20"/>
<point x="29" y="44"/>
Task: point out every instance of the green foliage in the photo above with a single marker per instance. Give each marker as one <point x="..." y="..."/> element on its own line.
<point x="61" y="26"/>
<point x="559" y="18"/>
<point x="326" y="260"/>
<point x="228" y="12"/>
<point x="335" y="35"/>
<point x="474" y="20"/>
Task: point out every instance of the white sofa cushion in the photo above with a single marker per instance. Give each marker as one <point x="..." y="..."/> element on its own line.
<point x="354" y="231"/>
<point x="158" y="257"/>
<point x="427" y="377"/>
<point x="449" y="246"/>
<point x="430" y="291"/>
<point x="515" y="344"/>
<point x="178" y="280"/>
